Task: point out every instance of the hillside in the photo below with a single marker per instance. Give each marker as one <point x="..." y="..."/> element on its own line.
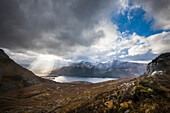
<point x="148" y="93"/>
<point x="14" y="76"/>
<point x="114" y="69"/>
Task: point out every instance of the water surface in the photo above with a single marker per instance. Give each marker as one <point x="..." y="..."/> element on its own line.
<point x="63" y="79"/>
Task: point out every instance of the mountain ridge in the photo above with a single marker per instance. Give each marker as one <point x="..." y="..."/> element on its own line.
<point x="13" y="76"/>
<point x="148" y="93"/>
<point x="118" y="69"/>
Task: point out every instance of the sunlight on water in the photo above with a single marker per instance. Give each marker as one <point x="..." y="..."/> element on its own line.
<point x="72" y="79"/>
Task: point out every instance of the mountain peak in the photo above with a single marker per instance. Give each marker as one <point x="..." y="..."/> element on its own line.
<point x="111" y="69"/>
<point x="3" y="54"/>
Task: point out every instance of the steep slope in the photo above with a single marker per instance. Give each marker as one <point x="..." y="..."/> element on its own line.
<point x="115" y="68"/>
<point x="160" y="65"/>
<point x="14" y="76"/>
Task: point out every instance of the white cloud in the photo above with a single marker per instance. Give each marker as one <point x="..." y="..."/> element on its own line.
<point x="144" y="62"/>
<point x="102" y="49"/>
<point x="139" y="45"/>
<point x="111" y="53"/>
<point x="138" y="50"/>
<point x="160" y="43"/>
<point x="123" y="56"/>
<point x="124" y="6"/>
<point x="110" y="35"/>
<point x="128" y="41"/>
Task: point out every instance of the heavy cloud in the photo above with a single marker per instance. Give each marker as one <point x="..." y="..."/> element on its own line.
<point x="78" y="29"/>
<point x="51" y="26"/>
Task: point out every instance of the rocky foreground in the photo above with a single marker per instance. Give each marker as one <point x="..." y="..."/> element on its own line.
<point x="148" y="93"/>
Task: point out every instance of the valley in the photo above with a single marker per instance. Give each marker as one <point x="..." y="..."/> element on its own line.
<point x="84" y="56"/>
<point x="146" y="93"/>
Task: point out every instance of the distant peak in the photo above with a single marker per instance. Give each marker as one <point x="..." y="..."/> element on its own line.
<point x="3" y="54"/>
<point x="84" y="62"/>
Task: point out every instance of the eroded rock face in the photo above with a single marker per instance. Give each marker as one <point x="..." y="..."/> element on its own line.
<point x="161" y="63"/>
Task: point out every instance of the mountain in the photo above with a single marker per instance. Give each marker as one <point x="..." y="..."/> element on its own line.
<point x="147" y="93"/>
<point x="14" y="76"/>
<point x="113" y="68"/>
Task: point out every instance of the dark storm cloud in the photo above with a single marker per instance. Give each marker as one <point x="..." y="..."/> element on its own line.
<point x="159" y="10"/>
<point x="52" y="26"/>
<point x="157" y="5"/>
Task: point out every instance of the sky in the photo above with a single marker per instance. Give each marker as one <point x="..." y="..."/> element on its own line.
<point x="48" y="33"/>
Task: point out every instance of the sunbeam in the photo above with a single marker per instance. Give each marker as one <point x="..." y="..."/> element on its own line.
<point x="43" y="65"/>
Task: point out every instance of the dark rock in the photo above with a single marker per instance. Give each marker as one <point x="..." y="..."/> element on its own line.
<point x="3" y="55"/>
<point x="161" y="63"/>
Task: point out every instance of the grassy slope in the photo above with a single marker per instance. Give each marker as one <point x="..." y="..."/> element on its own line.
<point x="149" y="94"/>
<point x="143" y="94"/>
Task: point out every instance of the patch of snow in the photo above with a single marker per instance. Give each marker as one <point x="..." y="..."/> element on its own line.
<point x="156" y="72"/>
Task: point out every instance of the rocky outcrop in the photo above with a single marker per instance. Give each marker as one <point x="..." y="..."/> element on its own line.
<point x="159" y="65"/>
<point x="14" y="76"/>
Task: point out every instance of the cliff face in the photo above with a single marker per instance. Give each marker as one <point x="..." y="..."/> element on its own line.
<point x="161" y="65"/>
<point x="14" y="76"/>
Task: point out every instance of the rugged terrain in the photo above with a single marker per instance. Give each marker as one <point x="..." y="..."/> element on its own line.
<point x="148" y="93"/>
<point x="113" y="69"/>
<point x="14" y="76"/>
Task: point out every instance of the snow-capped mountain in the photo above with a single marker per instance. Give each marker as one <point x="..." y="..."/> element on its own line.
<point x="113" y="68"/>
